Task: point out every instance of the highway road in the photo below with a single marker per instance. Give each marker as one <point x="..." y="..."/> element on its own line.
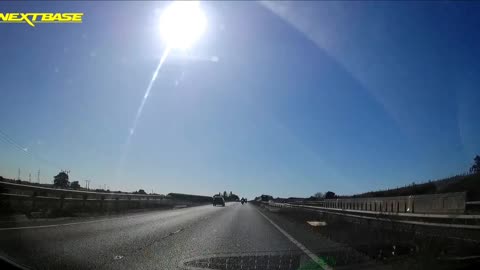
<point x="232" y="237"/>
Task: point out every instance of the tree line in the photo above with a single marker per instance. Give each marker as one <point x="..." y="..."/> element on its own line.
<point x="229" y="196"/>
<point x="469" y="182"/>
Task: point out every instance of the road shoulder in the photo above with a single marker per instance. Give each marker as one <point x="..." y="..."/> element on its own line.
<point x="335" y="254"/>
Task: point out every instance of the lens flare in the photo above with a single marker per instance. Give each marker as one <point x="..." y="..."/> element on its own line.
<point x="182" y="23"/>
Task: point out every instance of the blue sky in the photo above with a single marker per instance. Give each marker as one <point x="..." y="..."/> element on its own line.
<point x="304" y="97"/>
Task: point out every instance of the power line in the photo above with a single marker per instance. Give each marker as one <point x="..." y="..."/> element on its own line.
<point x="4" y="139"/>
<point x="10" y="141"/>
<point x="7" y="139"/>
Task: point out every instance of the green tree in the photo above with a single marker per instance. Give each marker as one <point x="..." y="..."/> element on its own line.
<point x="330" y="195"/>
<point x="141" y="191"/>
<point x="75" y="185"/>
<point x="476" y="165"/>
<point x="61" y="180"/>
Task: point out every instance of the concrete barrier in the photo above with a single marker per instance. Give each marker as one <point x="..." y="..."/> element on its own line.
<point x="28" y="198"/>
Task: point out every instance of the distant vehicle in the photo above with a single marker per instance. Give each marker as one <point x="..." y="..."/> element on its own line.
<point x="218" y="200"/>
<point x="244" y="200"/>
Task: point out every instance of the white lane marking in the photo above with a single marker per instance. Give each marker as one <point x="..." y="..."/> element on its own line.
<point x="12" y="263"/>
<point x="310" y="254"/>
<point x="175" y="232"/>
<point x="80" y="222"/>
<point x="55" y="225"/>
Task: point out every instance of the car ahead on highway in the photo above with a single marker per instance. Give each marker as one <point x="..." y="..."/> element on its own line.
<point x="218" y="200"/>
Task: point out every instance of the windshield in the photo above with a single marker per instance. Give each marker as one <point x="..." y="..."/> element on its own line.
<point x="239" y="135"/>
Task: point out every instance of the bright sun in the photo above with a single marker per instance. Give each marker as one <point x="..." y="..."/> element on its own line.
<point x="182" y="23"/>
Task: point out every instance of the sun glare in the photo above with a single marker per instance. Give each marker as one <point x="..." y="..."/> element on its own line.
<point x="182" y="23"/>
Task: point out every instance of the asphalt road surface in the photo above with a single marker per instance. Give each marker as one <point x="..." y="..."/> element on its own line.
<point x="204" y="237"/>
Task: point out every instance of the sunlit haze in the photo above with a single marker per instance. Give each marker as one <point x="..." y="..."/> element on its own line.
<point x="276" y="98"/>
<point x="182" y="23"/>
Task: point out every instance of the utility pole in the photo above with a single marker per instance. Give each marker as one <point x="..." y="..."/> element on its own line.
<point x="87" y="184"/>
<point x="30" y="177"/>
<point x="38" y="176"/>
<point x="18" y="174"/>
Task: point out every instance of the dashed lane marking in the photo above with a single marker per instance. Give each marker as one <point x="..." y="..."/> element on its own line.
<point x="310" y="254"/>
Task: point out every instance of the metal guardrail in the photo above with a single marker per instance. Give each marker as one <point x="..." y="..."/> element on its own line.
<point x="473" y="203"/>
<point x="388" y="216"/>
<point x="83" y="194"/>
<point x="30" y="198"/>
<point x="46" y="198"/>
<point x="383" y="213"/>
